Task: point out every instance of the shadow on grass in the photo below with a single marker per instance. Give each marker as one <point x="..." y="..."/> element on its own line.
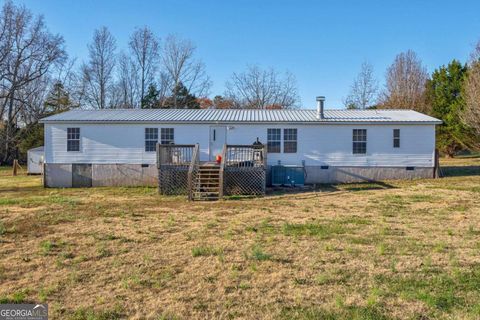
<point x="365" y="186"/>
<point x="282" y="190"/>
<point x="344" y="312"/>
<point x="240" y="197"/>
<point x="353" y="187"/>
<point x="23" y="189"/>
<point x="460" y="171"/>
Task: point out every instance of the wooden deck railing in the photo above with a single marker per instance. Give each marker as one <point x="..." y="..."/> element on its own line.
<point x="173" y="162"/>
<point x="243" y="170"/>
<point x="222" y="171"/>
<point x="174" y="154"/>
<point x="245" y="155"/>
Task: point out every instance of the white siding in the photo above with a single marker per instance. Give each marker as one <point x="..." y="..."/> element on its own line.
<point x="332" y="145"/>
<point x="114" y="143"/>
<point x="317" y="144"/>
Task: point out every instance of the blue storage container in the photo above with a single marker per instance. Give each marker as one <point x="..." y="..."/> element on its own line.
<point x="288" y="175"/>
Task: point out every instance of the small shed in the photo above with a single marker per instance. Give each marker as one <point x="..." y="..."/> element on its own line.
<point x="35" y="158"/>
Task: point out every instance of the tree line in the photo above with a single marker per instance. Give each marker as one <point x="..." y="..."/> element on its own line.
<point x="451" y="93"/>
<point x="38" y="78"/>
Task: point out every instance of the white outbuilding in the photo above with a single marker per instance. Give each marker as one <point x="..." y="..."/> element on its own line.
<point x="117" y="146"/>
<point x="35" y="158"/>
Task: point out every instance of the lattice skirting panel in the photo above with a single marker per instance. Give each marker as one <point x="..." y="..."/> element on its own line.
<point x="173" y="180"/>
<point x="244" y="181"/>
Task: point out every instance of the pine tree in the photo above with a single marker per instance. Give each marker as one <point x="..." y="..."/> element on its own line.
<point x="444" y="95"/>
<point x="183" y="98"/>
<point x="58" y="100"/>
<point x="220" y="102"/>
<point x="151" y="100"/>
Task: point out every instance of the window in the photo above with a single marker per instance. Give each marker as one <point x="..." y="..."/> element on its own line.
<point x="166" y="135"/>
<point x="274" y="137"/>
<point x="73" y="139"/>
<point x="359" y="141"/>
<point x="289" y="140"/>
<point x="151" y="138"/>
<point x="396" y="138"/>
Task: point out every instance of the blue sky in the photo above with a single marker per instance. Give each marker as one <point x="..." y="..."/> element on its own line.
<point x="323" y="43"/>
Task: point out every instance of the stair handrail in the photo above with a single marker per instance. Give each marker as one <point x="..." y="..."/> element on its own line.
<point x="191" y="168"/>
<point x="222" y="171"/>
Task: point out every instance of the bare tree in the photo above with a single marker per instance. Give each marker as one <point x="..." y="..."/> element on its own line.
<point x="98" y="71"/>
<point x="30" y="51"/>
<point x="405" y="83"/>
<point x="471" y="116"/>
<point x="164" y="88"/>
<point x="127" y="85"/>
<point x="33" y="97"/>
<point x="262" y="89"/>
<point x="182" y="70"/>
<point x="7" y="24"/>
<point x="144" y="46"/>
<point x="49" y="94"/>
<point x="68" y="76"/>
<point x="363" y="92"/>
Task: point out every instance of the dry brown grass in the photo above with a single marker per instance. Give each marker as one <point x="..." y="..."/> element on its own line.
<point x="405" y="249"/>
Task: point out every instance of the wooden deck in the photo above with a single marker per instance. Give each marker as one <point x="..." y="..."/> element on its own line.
<point x="242" y="171"/>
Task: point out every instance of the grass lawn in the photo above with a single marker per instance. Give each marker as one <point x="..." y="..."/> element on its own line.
<point x="399" y="249"/>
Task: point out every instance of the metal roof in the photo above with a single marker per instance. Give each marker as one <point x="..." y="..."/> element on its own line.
<point x="239" y="115"/>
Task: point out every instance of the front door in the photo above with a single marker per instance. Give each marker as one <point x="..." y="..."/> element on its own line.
<point x="218" y="137"/>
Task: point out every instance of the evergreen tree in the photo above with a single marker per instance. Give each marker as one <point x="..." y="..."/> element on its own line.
<point x="351" y="106"/>
<point x="220" y="102"/>
<point x="30" y="136"/>
<point x="444" y="95"/>
<point x="58" y="100"/>
<point x="151" y="100"/>
<point x="184" y="98"/>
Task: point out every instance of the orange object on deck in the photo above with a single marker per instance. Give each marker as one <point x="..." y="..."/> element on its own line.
<point x="219" y="159"/>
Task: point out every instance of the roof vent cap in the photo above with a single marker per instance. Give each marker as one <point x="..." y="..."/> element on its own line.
<point x="320" y="107"/>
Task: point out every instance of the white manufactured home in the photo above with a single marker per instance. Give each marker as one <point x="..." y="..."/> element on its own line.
<point x="117" y="147"/>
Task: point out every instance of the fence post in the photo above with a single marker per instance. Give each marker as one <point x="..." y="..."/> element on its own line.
<point x="15" y="167"/>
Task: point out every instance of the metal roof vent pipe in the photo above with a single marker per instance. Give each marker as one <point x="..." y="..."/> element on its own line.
<point x="320" y="107"/>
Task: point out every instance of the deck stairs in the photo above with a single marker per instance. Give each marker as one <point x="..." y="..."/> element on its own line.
<point x="207" y="182"/>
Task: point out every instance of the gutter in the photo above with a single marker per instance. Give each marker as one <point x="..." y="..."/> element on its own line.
<point x="243" y="122"/>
